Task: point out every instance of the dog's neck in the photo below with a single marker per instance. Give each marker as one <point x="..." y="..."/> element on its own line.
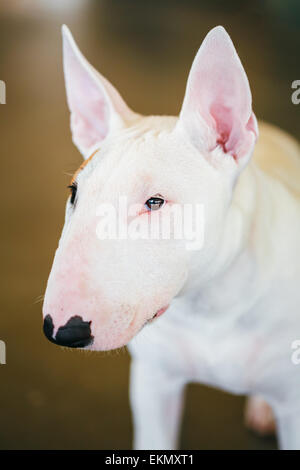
<point x="236" y="236"/>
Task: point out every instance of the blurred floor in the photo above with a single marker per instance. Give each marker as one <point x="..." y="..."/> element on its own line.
<point x="55" y="398"/>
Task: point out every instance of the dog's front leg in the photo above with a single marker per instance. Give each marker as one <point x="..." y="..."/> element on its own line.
<point x="289" y="431"/>
<point x="156" y="400"/>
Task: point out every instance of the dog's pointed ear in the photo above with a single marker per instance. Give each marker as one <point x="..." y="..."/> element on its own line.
<point x="217" y="109"/>
<point x="96" y="107"/>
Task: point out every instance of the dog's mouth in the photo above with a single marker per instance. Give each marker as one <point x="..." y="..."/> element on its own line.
<point x="159" y="313"/>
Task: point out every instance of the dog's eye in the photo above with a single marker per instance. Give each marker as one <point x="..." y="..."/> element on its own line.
<point x="73" y="188"/>
<point x="154" y="203"/>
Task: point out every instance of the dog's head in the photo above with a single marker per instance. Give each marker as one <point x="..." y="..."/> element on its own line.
<point x="109" y="279"/>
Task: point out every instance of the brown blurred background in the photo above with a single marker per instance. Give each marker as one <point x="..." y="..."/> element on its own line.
<point x="54" y="398"/>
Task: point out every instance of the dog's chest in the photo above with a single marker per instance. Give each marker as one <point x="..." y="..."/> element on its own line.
<point x="215" y="354"/>
<point x="218" y="354"/>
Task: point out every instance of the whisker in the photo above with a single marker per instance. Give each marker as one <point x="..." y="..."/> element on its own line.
<point x="39" y="298"/>
<point x="67" y="173"/>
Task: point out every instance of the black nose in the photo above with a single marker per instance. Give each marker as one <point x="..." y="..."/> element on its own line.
<point x="76" y="333"/>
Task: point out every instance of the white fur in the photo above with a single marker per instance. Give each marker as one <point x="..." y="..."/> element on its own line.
<point x="234" y="305"/>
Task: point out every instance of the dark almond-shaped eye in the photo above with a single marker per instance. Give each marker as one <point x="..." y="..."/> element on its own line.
<point x="73" y="188"/>
<point x="154" y="203"/>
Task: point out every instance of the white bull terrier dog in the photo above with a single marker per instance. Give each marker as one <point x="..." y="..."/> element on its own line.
<point x="232" y="308"/>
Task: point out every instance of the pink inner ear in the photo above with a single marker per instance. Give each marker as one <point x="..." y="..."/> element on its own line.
<point x="217" y="104"/>
<point x="89" y="109"/>
<point x="224" y="124"/>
